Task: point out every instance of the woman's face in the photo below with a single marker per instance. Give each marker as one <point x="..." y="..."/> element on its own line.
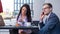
<point x="24" y="11"/>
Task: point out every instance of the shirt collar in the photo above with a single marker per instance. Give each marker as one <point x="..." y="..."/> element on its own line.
<point x="48" y="15"/>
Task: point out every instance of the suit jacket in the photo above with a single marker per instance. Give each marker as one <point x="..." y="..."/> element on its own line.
<point x="52" y="26"/>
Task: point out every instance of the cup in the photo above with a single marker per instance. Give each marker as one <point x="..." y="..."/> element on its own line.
<point x="28" y="24"/>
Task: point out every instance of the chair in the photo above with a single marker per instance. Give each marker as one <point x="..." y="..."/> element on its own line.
<point x="35" y="23"/>
<point x="13" y="31"/>
<point x="1" y="21"/>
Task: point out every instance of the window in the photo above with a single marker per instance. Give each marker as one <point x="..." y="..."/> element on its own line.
<point x="19" y="3"/>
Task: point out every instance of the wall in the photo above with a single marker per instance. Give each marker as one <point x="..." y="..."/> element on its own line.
<point x="8" y="5"/>
<point x="56" y="6"/>
<point x="37" y="7"/>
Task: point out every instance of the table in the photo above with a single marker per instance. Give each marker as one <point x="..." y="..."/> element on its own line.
<point x="15" y="29"/>
<point x="19" y="27"/>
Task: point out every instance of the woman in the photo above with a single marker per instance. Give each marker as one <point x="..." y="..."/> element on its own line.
<point x="24" y="17"/>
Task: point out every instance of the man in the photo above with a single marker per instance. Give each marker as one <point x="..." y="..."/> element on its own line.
<point x="51" y="24"/>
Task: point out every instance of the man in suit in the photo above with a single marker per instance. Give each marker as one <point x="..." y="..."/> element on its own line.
<point x="49" y="22"/>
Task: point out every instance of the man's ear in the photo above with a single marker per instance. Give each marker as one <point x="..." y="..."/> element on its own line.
<point x="51" y="8"/>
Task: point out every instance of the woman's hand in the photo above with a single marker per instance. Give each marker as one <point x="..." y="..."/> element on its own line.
<point x="17" y="24"/>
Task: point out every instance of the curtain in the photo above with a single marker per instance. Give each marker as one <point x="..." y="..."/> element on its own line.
<point x="1" y="9"/>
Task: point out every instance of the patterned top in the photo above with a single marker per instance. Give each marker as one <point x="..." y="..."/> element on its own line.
<point x="24" y="21"/>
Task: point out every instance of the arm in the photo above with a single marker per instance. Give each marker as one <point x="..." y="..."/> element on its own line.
<point x="41" y="24"/>
<point x="18" y="22"/>
<point x="41" y="19"/>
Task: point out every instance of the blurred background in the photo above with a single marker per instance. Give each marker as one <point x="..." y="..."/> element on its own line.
<point x="11" y="9"/>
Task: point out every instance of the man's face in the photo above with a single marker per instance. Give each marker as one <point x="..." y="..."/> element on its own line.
<point x="46" y="9"/>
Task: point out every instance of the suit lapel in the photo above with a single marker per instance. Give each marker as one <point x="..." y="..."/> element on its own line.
<point x="47" y="19"/>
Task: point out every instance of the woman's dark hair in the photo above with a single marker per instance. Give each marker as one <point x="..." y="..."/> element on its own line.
<point x="28" y="12"/>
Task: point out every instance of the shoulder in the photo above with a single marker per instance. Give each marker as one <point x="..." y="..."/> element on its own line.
<point x="53" y="15"/>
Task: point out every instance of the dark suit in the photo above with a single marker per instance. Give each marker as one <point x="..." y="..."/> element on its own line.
<point x="52" y="26"/>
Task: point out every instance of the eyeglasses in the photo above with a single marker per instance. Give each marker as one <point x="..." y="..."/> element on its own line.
<point x="46" y="8"/>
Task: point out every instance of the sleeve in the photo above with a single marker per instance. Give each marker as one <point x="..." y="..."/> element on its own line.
<point x="41" y="24"/>
<point x="18" y="21"/>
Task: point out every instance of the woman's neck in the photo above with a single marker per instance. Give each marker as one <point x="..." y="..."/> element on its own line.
<point x="23" y="15"/>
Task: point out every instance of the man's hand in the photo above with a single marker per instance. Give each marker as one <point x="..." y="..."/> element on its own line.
<point x="42" y="16"/>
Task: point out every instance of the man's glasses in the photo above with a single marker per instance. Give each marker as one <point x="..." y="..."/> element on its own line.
<point x="46" y="8"/>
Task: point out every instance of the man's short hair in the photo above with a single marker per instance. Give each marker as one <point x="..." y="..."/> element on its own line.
<point x="49" y="4"/>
